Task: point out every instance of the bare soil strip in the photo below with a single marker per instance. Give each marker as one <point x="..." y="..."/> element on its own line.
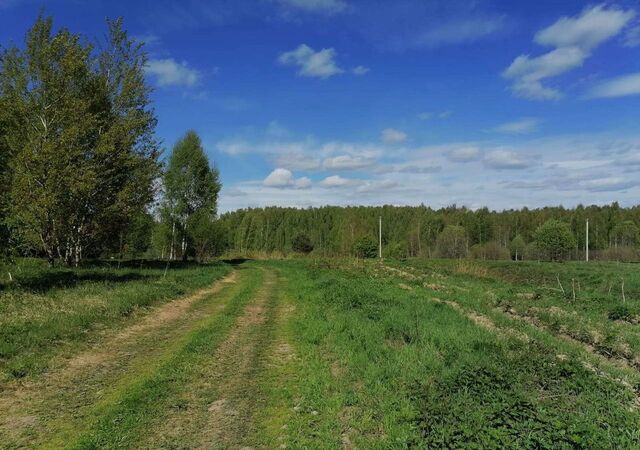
<point x="30" y="408"/>
<point x="217" y="409"/>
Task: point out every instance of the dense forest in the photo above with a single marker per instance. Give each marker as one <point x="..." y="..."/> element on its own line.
<point x="420" y="231"/>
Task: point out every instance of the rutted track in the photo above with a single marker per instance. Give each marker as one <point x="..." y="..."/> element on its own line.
<point x="215" y="339"/>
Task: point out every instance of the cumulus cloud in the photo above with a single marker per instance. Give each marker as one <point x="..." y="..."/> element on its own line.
<point x="169" y="72"/>
<point x="393" y="136"/>
<point x="506" y="159"/>
<point x="573" y="39"/>
<point x="320" y="64"/>
<point x="460" y="31"/>
<point x="522" y="126"/>
<point x="324" y="6"/>
<point x="464" y="154"/>
<point x="617" y="87"/>
<point x="283" y="178"/>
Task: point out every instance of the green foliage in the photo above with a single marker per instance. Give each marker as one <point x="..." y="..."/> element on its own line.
<point x="207" y="236"/>
<point x="139" y="234"/>
<point x="518" y="247"/>
<point x="191" y="194"/>
<point x="452" y="242"/>
<point x="621" y="312"/>
<point x="490" y="251"/>
<point x="365" y="247"/>
<point x="554" y="239"/>
<point x="302" y="244"/>
<point x="46" y="308"/>
<point x="626" y="234"/>
<point x="79" y="138"/>
<point x="395" y="250"/>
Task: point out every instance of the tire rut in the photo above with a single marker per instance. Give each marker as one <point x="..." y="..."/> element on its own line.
<point x="216" y="411"/>
<point x="28" y="406"/>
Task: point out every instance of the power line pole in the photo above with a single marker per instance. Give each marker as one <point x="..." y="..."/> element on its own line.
<point x="586" y="246"/>
<point x="380" y="238"/>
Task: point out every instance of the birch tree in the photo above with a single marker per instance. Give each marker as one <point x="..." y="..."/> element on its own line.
<point x="191" y="191"/>
<point x="80" y="137"/>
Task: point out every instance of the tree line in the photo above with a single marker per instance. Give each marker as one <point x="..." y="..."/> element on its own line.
<point x="81" y="173"/>
<point x="451" y="232"/>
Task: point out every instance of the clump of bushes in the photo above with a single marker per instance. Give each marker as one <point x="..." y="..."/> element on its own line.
<point x="302" y="244"/>
<point x="365" y="247"/>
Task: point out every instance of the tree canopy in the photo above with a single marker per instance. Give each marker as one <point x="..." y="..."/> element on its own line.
<point x="78" y="131"/>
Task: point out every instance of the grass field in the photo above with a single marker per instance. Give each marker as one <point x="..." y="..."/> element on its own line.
<point x="321" y="354"/>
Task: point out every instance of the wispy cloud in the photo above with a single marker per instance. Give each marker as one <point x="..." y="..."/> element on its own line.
<point x="522" y="126"/>
<point x="573" y="39"/>
<point x="360" y="70"/>
<point x="321" y="6"/>
<point x="617" y="87"/>
<point x="506" y="159"/>
<point x="169" y="72"/>
<point x="464" y="154"/>
<point x="393" y="136"/>
<point x="460" y="31"/>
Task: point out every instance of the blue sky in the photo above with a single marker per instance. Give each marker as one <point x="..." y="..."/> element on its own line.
<point x="312" y="102"/>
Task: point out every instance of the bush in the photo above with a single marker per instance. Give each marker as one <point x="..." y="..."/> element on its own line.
<point x="365" y="247"/>
<point x="302" y="244"/>
<point x="396" y="250"/>
<point x="555" y="240"/>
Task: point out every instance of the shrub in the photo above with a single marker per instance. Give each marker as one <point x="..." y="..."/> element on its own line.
<point x="302" y="244"/>
<point x="554" y="239"/>
<point x="365" y="247"/>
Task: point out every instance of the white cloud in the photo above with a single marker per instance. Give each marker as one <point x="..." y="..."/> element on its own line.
<point x="632" y="37"/>
<point x="393" y="136"/>
<point x="464" y="154"/>
<point x="283" y="178"/>
<point x="325" y="6"/>
<point x="320" y="64"/>
<point x="527" y="73"/>
<point x="445" y="114"/>
<point x="360" y="70"/>
<point x="347" y="162"/>
<point x="522" y="126"/>
<point x="425" y="115"/>
<point x="376" y="186"/>
<point x="586" y="31"/>
<point x="302" y="183"/>
<point x="169" y="72"/>
<point x="573" y="39"/>
<point x="460" y="31"/>
<point x="336" y="181"/>
<point x="234" y="147"/>
<point x="505" y="159"/>
<point x="617" y="87"/>
<point x="279" y="178"/>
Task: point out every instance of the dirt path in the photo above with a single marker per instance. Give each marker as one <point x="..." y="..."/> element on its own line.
<point x="32" y="409"/>
<point x="217" y="409"/>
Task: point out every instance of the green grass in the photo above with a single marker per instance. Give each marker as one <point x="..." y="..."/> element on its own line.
<point x="46" y="311"/>
<point x="436" y="354"/>
<point x="390" y="368"/>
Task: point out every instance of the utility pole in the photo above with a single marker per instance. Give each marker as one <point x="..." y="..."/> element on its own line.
<point x="380" y="238"/>
<point x="586" y="246"/>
